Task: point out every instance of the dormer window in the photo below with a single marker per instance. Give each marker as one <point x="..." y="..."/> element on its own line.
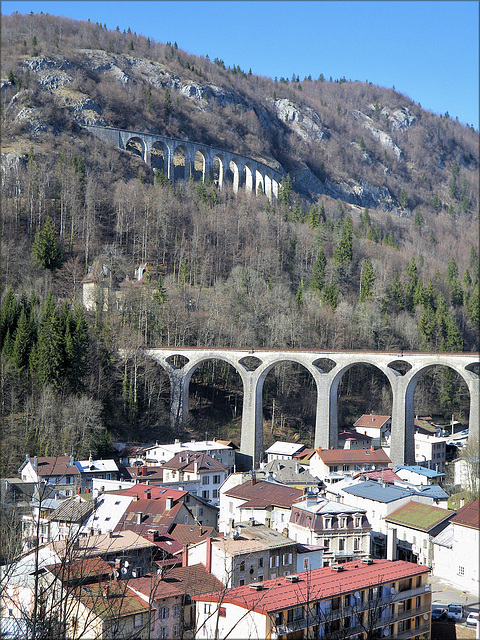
<point x="327" y="523"/>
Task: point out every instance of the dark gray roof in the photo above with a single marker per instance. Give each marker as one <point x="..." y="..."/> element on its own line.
<point x="72" y="511"/>
<point x="290" y="472"/>
<point x="377" y="491"/>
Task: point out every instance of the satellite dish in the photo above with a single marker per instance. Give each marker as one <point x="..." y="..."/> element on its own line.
<point x="392" y="591"/>
<point x="356" y="595"/>
<point x="124" y="571"/>
<point x="126" y="563"/>
<point x="425" y="616"/>
<point x="386" y="632"/>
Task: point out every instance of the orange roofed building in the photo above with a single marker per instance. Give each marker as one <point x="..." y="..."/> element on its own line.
<point x="355" y="600"/>
<point x="332" y="465"/>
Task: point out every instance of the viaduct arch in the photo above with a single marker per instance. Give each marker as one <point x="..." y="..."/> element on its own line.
<point x="240" y="171"/>
<point x="402" y="370"/>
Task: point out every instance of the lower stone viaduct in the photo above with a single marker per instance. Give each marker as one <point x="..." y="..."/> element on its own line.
<point x="178" y="160"/>
<point x="402" y="371"/>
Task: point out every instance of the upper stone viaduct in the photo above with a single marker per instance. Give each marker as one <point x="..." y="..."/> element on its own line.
<point x="402" y="370"/>
<point x="239" y="170"/>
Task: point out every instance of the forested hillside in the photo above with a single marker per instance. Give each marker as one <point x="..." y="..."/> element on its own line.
<point x="372" y="243"/>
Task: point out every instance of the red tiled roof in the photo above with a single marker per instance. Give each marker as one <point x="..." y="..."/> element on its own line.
<point x="145" y="473"/>
<point x="305" y="454"/>
<point x="280" y="594"/>
<point x="195" y="580"/>
<point x="56" y="466"/>
<point x="263" y="494"/>
<point x="154" y="514"/>
<point x="371" y="420"/>
<point x="387" y="475"/>
<point x="355" y="456"/>
<point x="468" y="515"/>
<point x="83" y="568"/>
<point x="155" y="492"/>
<point x="191" y="533"/>
<point x="185" y="460"/>
<point x="153" y="585"/>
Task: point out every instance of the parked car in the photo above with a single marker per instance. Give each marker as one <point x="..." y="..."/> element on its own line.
<point x="439" y="613"/>
<point x="473" y="618"/>
<point x="454" y="612"/>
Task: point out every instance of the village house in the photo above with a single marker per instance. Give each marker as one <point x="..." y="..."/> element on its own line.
<point x="248" y="553"/>
<point x="342" y="531"/>
<point x="356" y="599"/>
<point x="430" y="451"/>
<point x="375" y="426"/>
<point x="106" y="514"/>
<point x="290" y="472"/>
<point x="98" y="469"/>
<point x="412" y="528"/>
<point x="378" y="499"/>
<point x="419" y="475"/>
<point x="283" y="451"/>
<point x="351" y="439"/>
<point x="456" y="556"/>
<point x="160" y="453"/>
<point x="203" y="474"/>
<point x="156" y="508"/>
<point x="58" y="471"/>
<point x="332" y="465"/>
<point x="268" y="503"/>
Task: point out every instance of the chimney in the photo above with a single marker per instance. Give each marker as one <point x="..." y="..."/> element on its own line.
<point x="71" y="461"/>
<point x="135" y="498"/>
<point x="144" y="471"/>
<point x="297" y="468"/>
<point x="185" y="556"/>
<point x="148" y="494"/>
<point x="391" y="544"/>
<point x="139" y="517"/>
<point x="110" y="533"/>
<point x="195" y="466"/>
<point x="254" y="478"/>
<point x="208" y="563"/>
<point x="35" y="462"/>
<point x="169" y="504"/>
<point x="372" y="448"/>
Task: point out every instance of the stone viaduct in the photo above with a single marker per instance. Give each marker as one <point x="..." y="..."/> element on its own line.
<point x="178" y="158"/>
<point x="402" y="370"/>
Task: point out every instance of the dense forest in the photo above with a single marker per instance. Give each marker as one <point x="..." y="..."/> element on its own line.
<point x="371" y="244"/>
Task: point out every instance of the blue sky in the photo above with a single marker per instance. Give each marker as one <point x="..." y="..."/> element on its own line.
<point x="428" y="50"/>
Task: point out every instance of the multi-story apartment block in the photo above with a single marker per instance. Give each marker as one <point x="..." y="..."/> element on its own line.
<point x="332" y="465"/>
<point x="160" y="453"/>
<point x="371" y="598"/>
<point x="201" y="472"/>
<point x="342" y="531"/>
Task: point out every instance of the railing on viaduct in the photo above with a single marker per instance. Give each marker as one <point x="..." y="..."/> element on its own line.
<point x="402" y="371"/>
<point x="178" y="159"/>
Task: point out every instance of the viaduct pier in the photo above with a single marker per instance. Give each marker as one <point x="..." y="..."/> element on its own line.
<point x="402" y="371"/>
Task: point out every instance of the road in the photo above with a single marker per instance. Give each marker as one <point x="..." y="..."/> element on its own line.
<point x="443" y="594"/>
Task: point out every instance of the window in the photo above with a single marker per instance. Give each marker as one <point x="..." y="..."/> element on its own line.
<point x="305" y="564"/>
<point x="242" y="565"/>
<point x="274" y="561"/>
<point x="186" y="519"/>
<point x="358" y="521"/>
<point x="260" y="577"/>
<point x="341" y="544"/>
<point x="200" y="511"/>
<point x="241" y="582"/>
<point x="326" y="543"/>
<point x="138" y="620"/>
<point x="176" y="630"/>
<point x="346" y="467"/>
<point x="216" y="479"/>
<point x="215" y="493"/>
<point x="260" y="562"/>
<point x="357" y="544"/>
<point x="334" y="468"/>
<point x="343" y="523"/>
<point x="164" y="632"/>
<point x="461" y="571"/>
<point x="206" y="494"/>
<point x="206" y="608"/>
<point x="206" y="480"/>
<point x="176" y="610"/>
<point x="287" y="559"/>
<point x="327" y="523"/>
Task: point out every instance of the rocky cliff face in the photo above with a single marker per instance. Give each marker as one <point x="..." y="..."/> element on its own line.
<point x="348" y="141"/>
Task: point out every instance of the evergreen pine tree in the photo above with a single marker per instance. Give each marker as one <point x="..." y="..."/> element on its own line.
<point x="367" y="280"/>
<point x="8" y="315"/>
<point x="343" y="252"/>
<point x="45" y="249"/>
<point x="318" y="276"/>
<point x="23" y="342"/>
